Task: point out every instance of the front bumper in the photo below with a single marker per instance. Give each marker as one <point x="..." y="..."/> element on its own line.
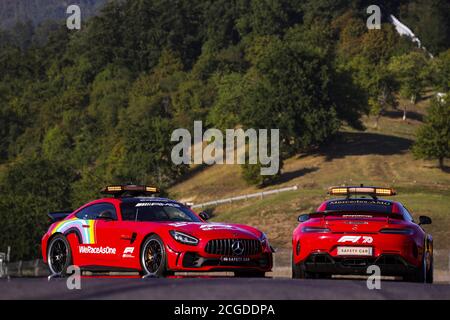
<point x="198" y="261"/>
<point x="192" y="260"/>
<point x="390" y="265"/>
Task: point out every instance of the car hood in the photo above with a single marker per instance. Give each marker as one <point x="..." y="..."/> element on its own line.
<point x="215" y="230"/>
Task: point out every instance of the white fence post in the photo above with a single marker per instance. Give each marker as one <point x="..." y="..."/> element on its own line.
<point x="244" y="197"/>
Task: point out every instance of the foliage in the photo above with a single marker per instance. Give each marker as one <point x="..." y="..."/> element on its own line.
<point x="81" y="109"/>
<point x="430" y="21"/>
<point x="440" y="72"/>
<point x="433" y="138"/>
<point x="30" y="189"/>
<point x="411" y="72"/>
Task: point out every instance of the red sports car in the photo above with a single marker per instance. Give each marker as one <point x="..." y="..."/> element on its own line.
<point x="347" y="235"/>
<point x="155" y="236"/>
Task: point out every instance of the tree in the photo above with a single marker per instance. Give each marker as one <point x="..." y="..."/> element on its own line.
<point x="109" y="95"/>
<point x="145" y="158"/>
<point x="56" y="145"/>
<point x="440" y="72"/>
<point x="269" y="17"/>
<point x="191" y="102"/>
<point x="225" y="113"/>
<point x="377" y="82"/>
<point x="289" y="89"/>
<point x="30" y="189"/>
<point x="251" y="173"/>
<point x="433" y="138"/>
<point x="410" y="70"/>
<point x="430" y="21"/>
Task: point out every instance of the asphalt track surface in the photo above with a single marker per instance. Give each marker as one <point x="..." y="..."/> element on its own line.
<point x="217" y="288"/>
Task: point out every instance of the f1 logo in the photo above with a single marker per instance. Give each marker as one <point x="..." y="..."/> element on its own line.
<point x="128" y="250"/>
<point x="355" y="239"/>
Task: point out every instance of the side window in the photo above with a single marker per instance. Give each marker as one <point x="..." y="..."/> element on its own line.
<point x="407" y="215"/>
<point x="85" y="214"/>
<point x="128" y="211"/>
<point x="92" y="212"/>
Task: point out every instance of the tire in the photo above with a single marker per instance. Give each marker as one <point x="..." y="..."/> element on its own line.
<point x="429" y="274"/>
<point x="59" y="255"/>
<point x="249" y="274"/>
<point x="298" y="272"/>
<point x="154" y="257"/>
<point x="418" y="275"/>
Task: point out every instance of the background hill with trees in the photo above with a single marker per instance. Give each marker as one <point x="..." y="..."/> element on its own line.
<point x="82" y="109"/>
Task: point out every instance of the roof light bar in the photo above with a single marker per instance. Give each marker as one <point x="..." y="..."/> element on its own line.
<point x="361" y="190"/>
<point x="132" y="190"/>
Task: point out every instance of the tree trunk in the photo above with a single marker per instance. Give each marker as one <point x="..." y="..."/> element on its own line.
<point x="377" y="120"/>
<point x="404" y="112"/>
<point x="441" y="162"/>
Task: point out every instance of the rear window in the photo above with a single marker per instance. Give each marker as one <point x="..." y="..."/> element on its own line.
<point x="360" y="205"/>
<point x="157" y="212"/>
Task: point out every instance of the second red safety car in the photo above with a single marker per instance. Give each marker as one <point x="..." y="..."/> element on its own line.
<point x="349" y="234"/>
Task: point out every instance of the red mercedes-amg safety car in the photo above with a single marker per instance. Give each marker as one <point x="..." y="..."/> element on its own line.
<point x="155" y="236"/>
<point x="347" y="235"/>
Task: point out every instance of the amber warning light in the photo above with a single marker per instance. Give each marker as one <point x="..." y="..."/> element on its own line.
<point x="343" y="191"/>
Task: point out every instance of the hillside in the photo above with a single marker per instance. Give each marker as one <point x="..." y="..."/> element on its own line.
<point x="81" y="109"/>
<point x="373" y="157"/>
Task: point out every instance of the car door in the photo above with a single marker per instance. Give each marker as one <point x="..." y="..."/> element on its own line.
<point x="106" y="234"/>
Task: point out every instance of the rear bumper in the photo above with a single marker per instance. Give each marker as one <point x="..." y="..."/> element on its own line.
<point x="390" y="265"/>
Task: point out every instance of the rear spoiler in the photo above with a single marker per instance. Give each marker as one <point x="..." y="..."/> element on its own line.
<point x="59" y="215"/>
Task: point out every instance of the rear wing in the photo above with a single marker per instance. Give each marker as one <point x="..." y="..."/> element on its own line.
<point x="59" y="215"/>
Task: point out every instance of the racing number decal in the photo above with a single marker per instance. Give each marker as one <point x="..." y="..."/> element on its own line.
<point x="356" y="239"/>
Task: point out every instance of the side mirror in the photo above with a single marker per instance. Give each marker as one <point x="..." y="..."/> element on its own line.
<point x="204" y="215"/>
<point x="424" y="220"/>
<point x="106" y="215"/>
<point x="303" y="217"/>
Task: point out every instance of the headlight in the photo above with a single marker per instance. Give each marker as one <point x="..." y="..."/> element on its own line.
<point x="184" y="238"/>
<point x="397" y="231"/>
<point x="315" y="230"/>
<point x="264" y="240"/>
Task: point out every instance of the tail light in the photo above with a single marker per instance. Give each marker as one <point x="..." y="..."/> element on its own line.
<point x="315" y="230"/>
<point x="397" y="231"/>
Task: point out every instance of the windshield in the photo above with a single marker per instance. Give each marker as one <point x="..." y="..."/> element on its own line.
<point x="361" y="205"/>
<point x="157" y="211"/>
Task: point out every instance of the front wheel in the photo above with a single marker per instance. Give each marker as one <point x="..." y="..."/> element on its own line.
<point x="153" y="257"/>
<point x="59" y="255"/>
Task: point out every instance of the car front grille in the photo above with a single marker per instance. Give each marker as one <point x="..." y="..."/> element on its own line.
<point x="230" y="247"/>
